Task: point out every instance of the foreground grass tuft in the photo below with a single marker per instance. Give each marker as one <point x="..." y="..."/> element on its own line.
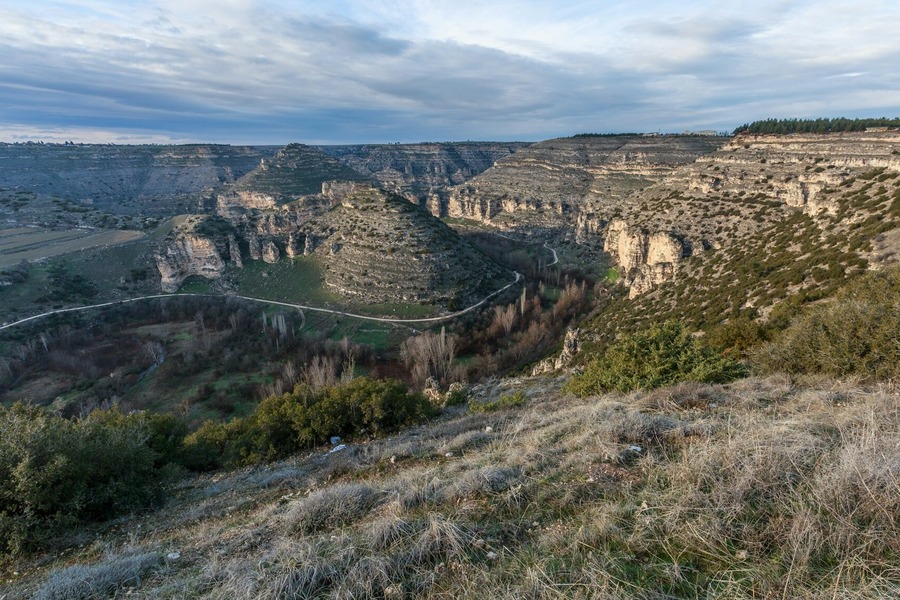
<point x="103" y="580"/>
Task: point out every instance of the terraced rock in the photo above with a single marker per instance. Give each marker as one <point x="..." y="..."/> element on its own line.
<point x="158" y="181"/>
<point x="295" y="171"/>
<point x="764" y="225"/>
<point x="553" y="183"/>
<point x="421" y="172"/>
<point x="377" y="247"/>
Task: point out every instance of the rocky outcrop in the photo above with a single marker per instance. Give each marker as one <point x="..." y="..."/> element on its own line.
<point x="234" y="252"/>
<point x="645" y="259"/>
<point x="565" y="358"/>
<point x="379" y="248"/>
<point x="270" y="252"/>
<point x="235" y="204"/>
<point x="187" y="255"/>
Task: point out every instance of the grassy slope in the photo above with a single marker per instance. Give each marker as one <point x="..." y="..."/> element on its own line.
<point x="756" y="489"/>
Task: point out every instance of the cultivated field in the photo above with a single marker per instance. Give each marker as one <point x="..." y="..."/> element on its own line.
<point x="26" y="243"/>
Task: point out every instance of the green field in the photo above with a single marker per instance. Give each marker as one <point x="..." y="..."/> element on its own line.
<point x="296" y="280"/>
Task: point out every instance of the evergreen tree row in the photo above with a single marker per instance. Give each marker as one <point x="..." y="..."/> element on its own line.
<point x="815" y="125"/>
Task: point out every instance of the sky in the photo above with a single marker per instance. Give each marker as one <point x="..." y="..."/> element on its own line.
<point x="343" y="71"/>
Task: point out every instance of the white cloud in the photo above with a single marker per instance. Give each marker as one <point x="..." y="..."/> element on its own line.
<point x="287" y="70"/>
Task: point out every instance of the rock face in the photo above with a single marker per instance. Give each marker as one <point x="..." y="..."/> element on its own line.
<point x="724" y="200"/>
<point x="565" y="358"/>
<point x="161" y="181"/>
<point x="421" y="172"/>
<point x="188" y="254"/>
<point x="547" y="184"/>
<point x="645" y="259"/>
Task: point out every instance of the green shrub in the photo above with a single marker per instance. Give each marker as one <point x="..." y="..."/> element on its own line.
<point x="457" y="395"/>
<point x="663" y="355"/>
<point x="55" y="473"/>
<point x="511" y="400"/>
<point x="738" y="335"/>
<point x="286" y="424"/>
<point x="856" y="333"/>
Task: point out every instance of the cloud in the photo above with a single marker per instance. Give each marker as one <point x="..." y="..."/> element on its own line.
<point x="407" y="70"/>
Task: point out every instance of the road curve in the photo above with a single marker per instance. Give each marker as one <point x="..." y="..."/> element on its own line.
<point x="555" y="256"/>
<point x="275" y="302"/>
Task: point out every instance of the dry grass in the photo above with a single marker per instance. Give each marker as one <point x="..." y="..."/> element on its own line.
<point x="102" y="580"/>
<point x="762" y="488"/>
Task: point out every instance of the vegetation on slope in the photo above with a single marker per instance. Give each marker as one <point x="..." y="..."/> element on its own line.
<point x="857" y="333"/>
<point x="57" y="473"/>
<point x="304" y="418"/>
<point x="663" y="355"/>
<point x="755" y="489"/>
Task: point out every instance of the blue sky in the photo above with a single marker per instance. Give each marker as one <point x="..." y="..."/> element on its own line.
<point x="277" y="71"/>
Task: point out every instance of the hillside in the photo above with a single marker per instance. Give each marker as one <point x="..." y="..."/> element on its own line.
<point x="762" y="220"/>
<point x="378" y="247"/>
<point x="421" y="172"/>
<point x="294" y="171"/>
<point x="761" y="488"/>
<point x="150" y="181"/>
<point x="549" y="184"/>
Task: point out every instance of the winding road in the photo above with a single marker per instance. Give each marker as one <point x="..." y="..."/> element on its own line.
<point x="448" y="317"/>
<point x="275" y="302"/>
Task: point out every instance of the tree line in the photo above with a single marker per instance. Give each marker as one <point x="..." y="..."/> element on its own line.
<point x="821" y="125"/>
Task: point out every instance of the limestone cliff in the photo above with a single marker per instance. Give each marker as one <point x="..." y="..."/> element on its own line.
<point x="553" y="183"/>
<point x="421" y="172"/>
<point x="146" y="180"/>
<point x="187" y="254"/>
<point x="645" y="259"/>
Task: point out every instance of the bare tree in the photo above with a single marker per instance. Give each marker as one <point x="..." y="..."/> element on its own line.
<point x="155" y="351"/>
<point x="349" y="366"/>
<point x="321" y="372"/>
<point x="430" y="355"/>
<point x="505" y="317"/>
<point x="289" y="373"/>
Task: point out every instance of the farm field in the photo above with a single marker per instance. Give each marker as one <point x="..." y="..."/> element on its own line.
<point x="26" y="243"/>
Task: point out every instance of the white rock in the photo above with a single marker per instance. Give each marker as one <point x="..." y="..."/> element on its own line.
<point x="173" y="555"/>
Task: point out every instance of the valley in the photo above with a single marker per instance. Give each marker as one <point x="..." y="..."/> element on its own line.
<point x="523" y="350"/>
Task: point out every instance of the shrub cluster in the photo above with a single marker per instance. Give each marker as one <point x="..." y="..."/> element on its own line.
<point x="283" y="425"/>
<point x="856" y="333"/>
<point x="511" y="400"/>
<point x="663" y="355"/>
<point x="56" y="473"/>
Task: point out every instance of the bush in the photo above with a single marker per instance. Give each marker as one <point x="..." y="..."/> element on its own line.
<point x="55" y="473"/>
<point x="857" y="333"/>
<point x="664" y="355"/>
<point x="511" y="400"/>
<point x="286" y="424"/>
